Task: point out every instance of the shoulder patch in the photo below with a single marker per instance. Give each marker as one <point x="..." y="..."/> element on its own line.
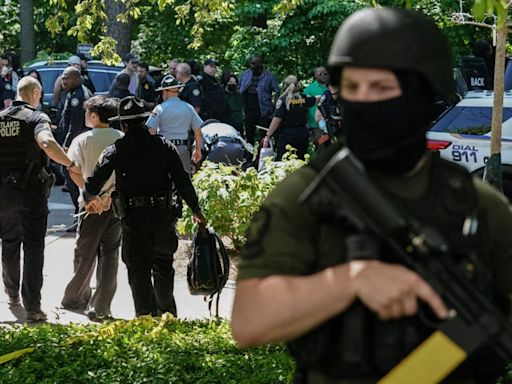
<point x="8" y="86"/>
<point x="75" y="101"/>
<point x="279" y="103"/>
<point x="196" y="92"/>
<point x="258" y="228"/>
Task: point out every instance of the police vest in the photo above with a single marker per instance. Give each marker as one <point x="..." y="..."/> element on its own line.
<point x="356" y="343"/>
<point x="18" y="146"/>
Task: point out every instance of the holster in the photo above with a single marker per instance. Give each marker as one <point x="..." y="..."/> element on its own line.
<point x="48" y="181"/>
<point x="118" y="206"/>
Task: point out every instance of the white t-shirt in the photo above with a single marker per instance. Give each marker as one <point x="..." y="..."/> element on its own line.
<point x="86" y="148"/>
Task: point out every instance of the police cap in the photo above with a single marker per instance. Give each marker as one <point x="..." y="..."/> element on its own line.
<point x="130" y="108"/>
<point x="397" y="39"/>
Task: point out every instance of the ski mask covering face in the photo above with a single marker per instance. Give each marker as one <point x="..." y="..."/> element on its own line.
<point x="389" y="136"/>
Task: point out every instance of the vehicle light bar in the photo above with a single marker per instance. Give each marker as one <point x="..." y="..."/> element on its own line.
<point x="436" y="145"/>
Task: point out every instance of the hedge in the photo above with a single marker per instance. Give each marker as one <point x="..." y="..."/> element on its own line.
<point x="143" y="350"/>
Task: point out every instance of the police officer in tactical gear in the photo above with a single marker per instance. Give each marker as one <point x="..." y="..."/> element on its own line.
<point x="146" y="168"/>
<point x="329" y="116"/>
<point x="25" y="181"/>
<point x="347" y="319"/>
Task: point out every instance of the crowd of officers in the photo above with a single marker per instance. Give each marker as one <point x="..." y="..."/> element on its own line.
<point x="162" y="121"/>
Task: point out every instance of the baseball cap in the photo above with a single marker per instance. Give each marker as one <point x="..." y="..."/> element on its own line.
<point x="74" y="60"/>
<point x="211" y="62"/>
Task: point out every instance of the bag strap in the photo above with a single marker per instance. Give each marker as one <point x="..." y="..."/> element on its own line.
<point x="225" y="265"/>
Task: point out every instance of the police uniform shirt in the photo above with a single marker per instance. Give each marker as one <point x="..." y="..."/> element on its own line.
<point x="129" y="158"/>
<point x="191" y="93"/>
<point x="297" y="115"/>
<point x="2" y="92"/>
<point x="73" y="114"/>
<point x="213" y="105"/>
<point x="284" y="237"/>
<point x="11" y="130"/>
<point x="146" y="91"/>
<point x="9" y="91"/>
<point x="173" y="119"/>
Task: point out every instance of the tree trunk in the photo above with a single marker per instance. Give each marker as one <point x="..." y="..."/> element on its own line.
<point x="493" y="169"/>
<point x="27" y="38"/>
<point x="121" y="32"/>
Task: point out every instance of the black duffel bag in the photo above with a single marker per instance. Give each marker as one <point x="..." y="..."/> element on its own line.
<point x="208" y="266"/>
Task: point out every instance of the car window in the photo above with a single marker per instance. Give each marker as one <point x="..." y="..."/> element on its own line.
<point x="468" y="120"/>
<point x="48" y="77"/>
<point x="101" y="79"/>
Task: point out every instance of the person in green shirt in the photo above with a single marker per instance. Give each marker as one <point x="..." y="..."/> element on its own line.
<point x="316" y="88"/>
<point x="349" y="319"/>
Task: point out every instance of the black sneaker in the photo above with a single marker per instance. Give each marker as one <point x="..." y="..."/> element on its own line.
<point x="36" y="316"/>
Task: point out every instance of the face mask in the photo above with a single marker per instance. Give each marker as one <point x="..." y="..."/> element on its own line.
<point x="387" y="136"/>
<point x="232" y="87"/>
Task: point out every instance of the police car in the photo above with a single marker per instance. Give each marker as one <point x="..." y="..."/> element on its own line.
<point x="462" y="134"/>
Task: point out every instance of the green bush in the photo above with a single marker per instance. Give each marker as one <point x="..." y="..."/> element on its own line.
<point x="143" y="350"/>
<point x="229" y="196"/>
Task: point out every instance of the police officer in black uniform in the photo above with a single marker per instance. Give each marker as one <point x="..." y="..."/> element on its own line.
<point x="329" y="115"/>
<point x="146" y="166"/>
<point x="72" y="121"/>
<point x="290" y="119"/>
<point x="191" y="92"/>
<point x="213" y="105"/>
<point x="25" y="181"/>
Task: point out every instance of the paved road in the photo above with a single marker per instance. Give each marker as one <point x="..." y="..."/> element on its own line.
<point x="58" y="271"/>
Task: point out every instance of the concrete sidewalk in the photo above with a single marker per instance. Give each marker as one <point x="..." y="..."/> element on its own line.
<point x="58" y="270"/>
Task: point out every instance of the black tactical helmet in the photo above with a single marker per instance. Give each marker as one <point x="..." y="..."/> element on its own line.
<point x="397" y="39"/>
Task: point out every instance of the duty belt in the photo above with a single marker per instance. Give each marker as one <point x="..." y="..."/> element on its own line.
<point x="179" y="141"/>
<point x="160" y="200"/>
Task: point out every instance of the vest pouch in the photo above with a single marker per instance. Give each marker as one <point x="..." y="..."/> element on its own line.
<point x="339" y="348"/>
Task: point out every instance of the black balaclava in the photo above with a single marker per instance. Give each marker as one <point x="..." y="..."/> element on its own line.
<point x="389" y="136"/>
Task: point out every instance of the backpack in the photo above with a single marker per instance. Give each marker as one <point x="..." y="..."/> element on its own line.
<point x="208" y="266"/>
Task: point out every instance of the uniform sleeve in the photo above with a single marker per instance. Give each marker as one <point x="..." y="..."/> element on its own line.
<point x="9" y="92"/>
<point x="153" y="121"/>
<point x="498" y="215"/>
<point x="280" y="236"/>
<point x="196" y="121"/>
<point x="41" y="122"/>
<point x="194" y="98"/>
<point x="77" y="118"/>
<point x="101" y="173"/>
<point x="280" y="108"/>
<point x="182" y="180"/>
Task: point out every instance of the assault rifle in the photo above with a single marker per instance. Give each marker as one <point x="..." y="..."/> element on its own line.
<point x="474" y="321"/>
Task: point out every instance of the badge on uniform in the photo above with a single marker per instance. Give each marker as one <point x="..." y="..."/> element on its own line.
<point x="75" y="102"/>
<point x="8" y="86"/>
<point x="196" y="92"/>
<point x="146" y="86"/>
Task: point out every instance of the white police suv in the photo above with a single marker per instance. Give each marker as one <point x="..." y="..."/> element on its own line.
<point x="463" y="134"/>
